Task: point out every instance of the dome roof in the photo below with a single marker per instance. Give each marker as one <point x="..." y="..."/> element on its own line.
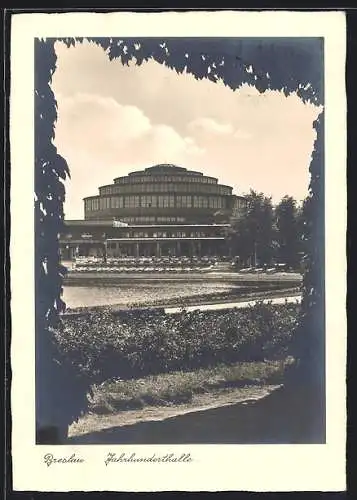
<point x="166" y="167"/>
<point x="162" y="169"/>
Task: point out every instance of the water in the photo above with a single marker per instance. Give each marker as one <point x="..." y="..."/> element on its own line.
<point x="127" y="294"/>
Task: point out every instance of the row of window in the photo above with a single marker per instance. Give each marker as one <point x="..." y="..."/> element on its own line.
<point x="165" y="178"/>
<point x="148" y="220"/>
<point x="166" y="188"/>
<point x="154" y="201"/>
<point x="165" y="234"/>
<point x="144" y="234"/>
<point x="170" y="219"/>
<point x="239" y="203"/>
<point x="145" y="219"/>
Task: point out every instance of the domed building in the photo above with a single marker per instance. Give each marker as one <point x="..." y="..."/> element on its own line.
<point x="162" y="210"/>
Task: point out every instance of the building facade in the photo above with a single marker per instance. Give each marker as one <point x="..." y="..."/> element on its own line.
<point x="164" y="210"/>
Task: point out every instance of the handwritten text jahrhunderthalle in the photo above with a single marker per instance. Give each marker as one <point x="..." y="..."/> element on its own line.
<point x="134" y="458"/>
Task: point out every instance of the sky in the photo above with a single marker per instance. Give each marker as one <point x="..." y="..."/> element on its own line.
<point x="113" y="119"/>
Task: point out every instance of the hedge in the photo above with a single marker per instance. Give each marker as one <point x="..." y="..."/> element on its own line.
<point x="102" y="345"/>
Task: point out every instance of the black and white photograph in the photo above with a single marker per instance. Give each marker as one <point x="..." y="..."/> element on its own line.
<point x="180" y="198"/>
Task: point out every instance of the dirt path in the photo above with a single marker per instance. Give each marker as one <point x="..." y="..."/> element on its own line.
<point x="291" y="414"/>
<point x="92" y="423"/>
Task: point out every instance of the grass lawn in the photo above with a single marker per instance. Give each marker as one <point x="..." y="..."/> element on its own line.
<point x="179" y="387"/>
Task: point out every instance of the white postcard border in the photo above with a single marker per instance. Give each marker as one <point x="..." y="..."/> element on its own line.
<point x="214" y="467"/>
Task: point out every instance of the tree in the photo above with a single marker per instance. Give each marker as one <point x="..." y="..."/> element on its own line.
<point x="253" y="234"/>
<point x="288" y="232"/>
<point x="265" y="236"/>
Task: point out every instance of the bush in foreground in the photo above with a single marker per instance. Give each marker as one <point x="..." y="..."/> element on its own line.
<point x="135" y="344"/>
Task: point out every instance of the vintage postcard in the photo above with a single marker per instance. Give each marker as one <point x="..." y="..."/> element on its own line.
<point x="178" y="267"/>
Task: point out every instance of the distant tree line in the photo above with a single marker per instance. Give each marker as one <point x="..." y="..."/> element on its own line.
<point x="266" y="234"/>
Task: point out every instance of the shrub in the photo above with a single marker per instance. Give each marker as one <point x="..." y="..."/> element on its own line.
<point x="104" y="345"/>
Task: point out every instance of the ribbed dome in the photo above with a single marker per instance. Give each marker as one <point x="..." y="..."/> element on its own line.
<point x="161" y="193"/>
<point x="166" y="167"/>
